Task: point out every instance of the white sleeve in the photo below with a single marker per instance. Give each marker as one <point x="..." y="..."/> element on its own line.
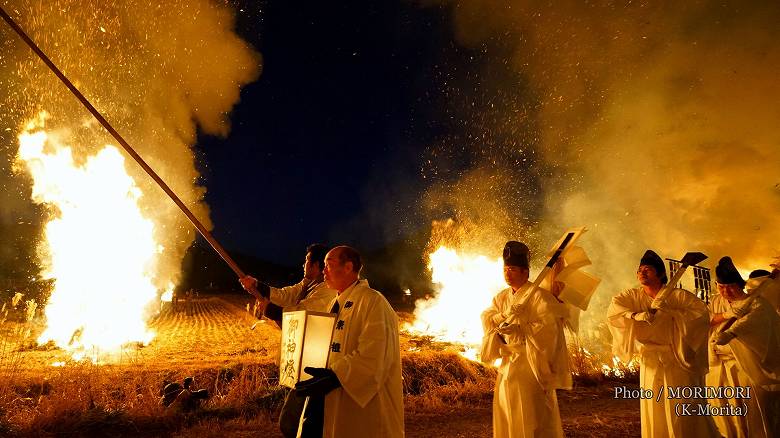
<point x="286" y="296"/>
<point x="318" y="300"/>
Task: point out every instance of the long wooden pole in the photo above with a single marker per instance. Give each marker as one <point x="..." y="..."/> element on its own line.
<point x="203" y="231"/>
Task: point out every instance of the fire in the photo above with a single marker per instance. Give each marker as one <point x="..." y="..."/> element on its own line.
<point x="466" y="286"/>
<point x="167" y="296"/>
<point x="99" y="247"/>
<point x="619" y="369"/>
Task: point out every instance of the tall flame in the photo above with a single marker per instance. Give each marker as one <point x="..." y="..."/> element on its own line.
<point x="99" y="247"/>
<point x="466" y="284"/>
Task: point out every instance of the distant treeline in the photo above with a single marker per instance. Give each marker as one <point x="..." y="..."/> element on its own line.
<point x="390" y="270"/>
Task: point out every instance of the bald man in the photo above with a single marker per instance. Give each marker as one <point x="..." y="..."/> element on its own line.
<point x="362" y="384"/>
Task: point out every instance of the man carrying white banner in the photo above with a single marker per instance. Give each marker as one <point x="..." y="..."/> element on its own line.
<point x="667" y="327"/>
<point x="528" y="323"/>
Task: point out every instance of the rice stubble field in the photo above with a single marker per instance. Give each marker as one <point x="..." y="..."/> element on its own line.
<point x="234" y="357"/>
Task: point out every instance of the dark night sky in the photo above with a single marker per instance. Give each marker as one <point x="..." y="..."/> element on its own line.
<point x="327" y="145"/>
<point x="371" y="119"/>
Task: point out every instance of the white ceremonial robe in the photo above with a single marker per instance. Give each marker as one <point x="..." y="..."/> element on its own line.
<point x="672" y="352"/>
<point x="534" y="363"/>
<point x="768" y="288"/>
<point x="317" y="299"/>
<point x="365" y="355"/>
<point x="751" y="359"/>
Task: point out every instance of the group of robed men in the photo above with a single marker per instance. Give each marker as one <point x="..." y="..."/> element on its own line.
<point x="722" y="348"/>
<point x="684" y="347"/>
<point x="680" y="341"/>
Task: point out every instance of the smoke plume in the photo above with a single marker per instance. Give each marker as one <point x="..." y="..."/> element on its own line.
<point x="655" y="124"/>
<point x="157" y="71"/>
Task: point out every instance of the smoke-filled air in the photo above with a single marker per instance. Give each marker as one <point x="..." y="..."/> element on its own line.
<point x="158" y="72"/>
<point x="652" y="124"/>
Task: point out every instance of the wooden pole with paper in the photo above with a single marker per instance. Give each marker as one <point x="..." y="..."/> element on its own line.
<point x="492" y="340"/>
<point x="560" y="249"/>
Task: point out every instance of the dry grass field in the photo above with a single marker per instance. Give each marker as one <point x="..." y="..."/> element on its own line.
<point x="213" y="340"/>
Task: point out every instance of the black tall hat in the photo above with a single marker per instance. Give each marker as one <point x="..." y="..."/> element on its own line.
<point x="726" y="272"/>
<point x="516" y="254"/>
<point x="758" y="273"/>
<point x="652" y="259"/>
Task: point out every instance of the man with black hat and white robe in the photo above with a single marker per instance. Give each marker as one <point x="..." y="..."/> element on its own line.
<point x="534" y="358"/>
<point x="745" y="352"/>
<point x="669" y="334"/>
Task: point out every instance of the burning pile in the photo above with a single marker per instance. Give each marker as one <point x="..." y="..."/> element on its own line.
<point x="99" y="248"/>
<point x="107" y="248"/>
<point x="466" y="284"/>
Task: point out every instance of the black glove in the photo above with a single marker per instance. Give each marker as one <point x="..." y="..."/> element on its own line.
<point x="274" y="313"/>
<point x="324" y="380"/>
<point x="264" y="289"/>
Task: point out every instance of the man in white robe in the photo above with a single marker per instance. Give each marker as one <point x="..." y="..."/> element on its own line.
<point x="362" y="384"/>
<point x="312" y="294"/>
<point x="745" y="352"/>
<point x="670" y="336"/>
<point x="534" y="357"/>
<point x="766" y="284"/>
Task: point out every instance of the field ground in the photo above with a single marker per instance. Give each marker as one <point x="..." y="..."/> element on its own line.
<point x="234" y="357"/>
